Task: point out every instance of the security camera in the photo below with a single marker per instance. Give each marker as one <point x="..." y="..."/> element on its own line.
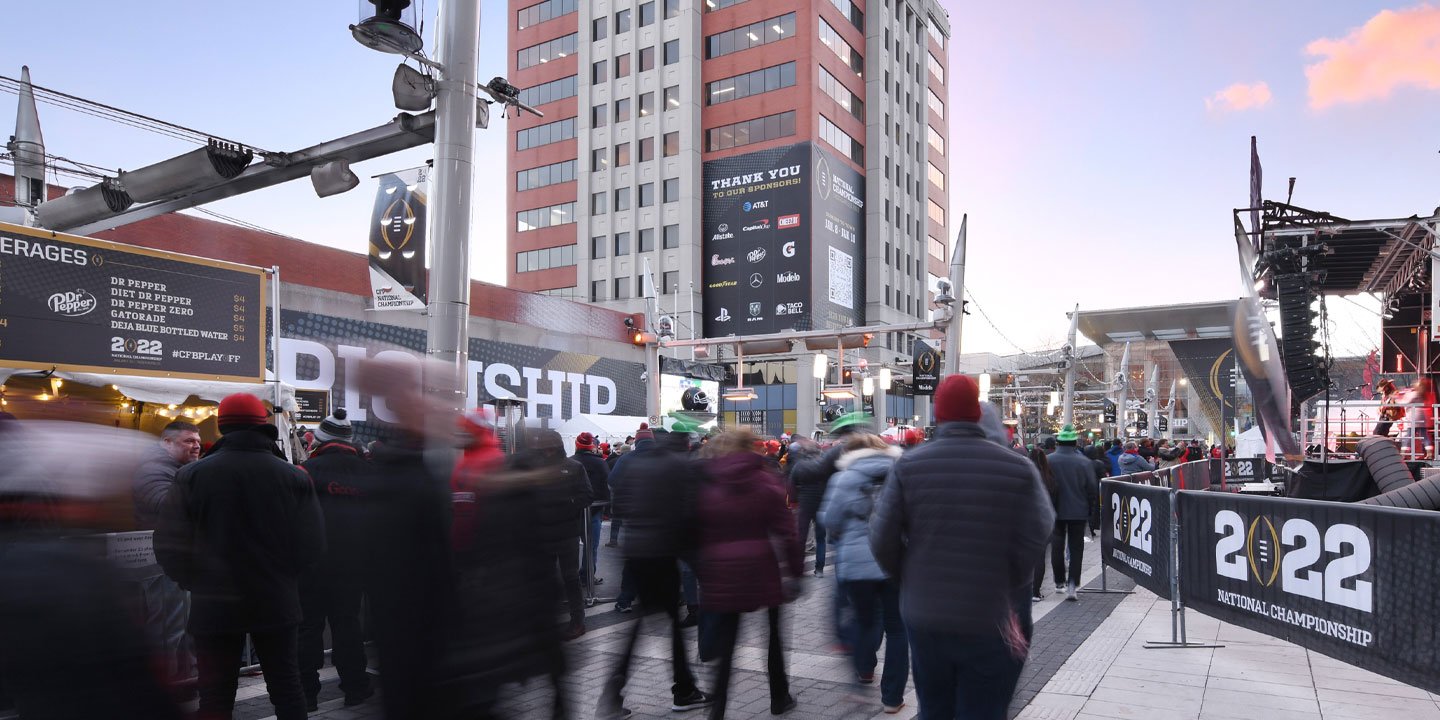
<point x="943" y="286"/>
<point x="630" y="323"/>
<point x="644" y="375"/>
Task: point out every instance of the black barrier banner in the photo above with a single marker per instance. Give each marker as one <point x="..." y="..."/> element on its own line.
<point x="1244" y="470"/>
<point x="1354" y="582"/>
<point x="1136" y="536"/>
<point x="925" y="360"/>
<point x="76" y="303"/>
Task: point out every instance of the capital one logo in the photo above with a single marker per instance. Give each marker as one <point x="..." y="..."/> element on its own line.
<point x="788" y="249"/>
<point x="716" y="260"/>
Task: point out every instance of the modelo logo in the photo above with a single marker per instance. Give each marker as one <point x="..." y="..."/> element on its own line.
<point x="759" y="225"/>
<point x="788" y="249"/>
<point x="1291" y="552"/>
<point x="756" y="255"/>
<point x="787" y="277"/>
<point x="72" y="304"/>
<point x="757" y="205"/>
<point x="788" y="221"/>
<point x="1132" y="519"/>
<point x="717" y="260"/>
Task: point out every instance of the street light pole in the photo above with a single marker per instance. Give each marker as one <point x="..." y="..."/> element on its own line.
<point x="1072" y="359"/>
<point x="447" y="338"/>
<point x="957" y="316"/>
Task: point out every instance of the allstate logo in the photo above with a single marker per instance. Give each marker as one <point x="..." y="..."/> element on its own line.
<point x="73" y="303"/>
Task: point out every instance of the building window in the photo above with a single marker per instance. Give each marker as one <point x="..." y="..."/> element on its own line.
<point x="935" y="33"/>
<point x="670" y="282"/>
<point x="598" y="205"/>
<point x="565" y="292"/>
<point x="546" y="51"/>
<point x="671" y="190"/>
<point x="751" y="83"/>
<point x="549" y="92"/>
<point x="599" y="29"/>
<point x="647" y="14"/>
<point x="647" y="240"/>
<point x="754" y="35"/>
<point x="937" y="178"/>
<point x="841" y="94"/>
<point x="622" y="244"/>
<point x="672" y="9"/>
<point x="852" y="13"/>
<point x="598" y="116"/>
<point x="671" y="237"/>
<point x="936" y="68"/>
<point x="935" y="103"/>
<point x="713" y="5"/>
<point x="647" y="194"/>
<point x="622" y="154"/>
<point x="936" y="141"/>
<point x="622" y="21"/>
<point x="647" y="59"/>
<point x="647" y="104"/>
<point x="599" y="160"/>
<point x="937" y="213"/>
<point x="545" y="134"/>
<point x="540" y="12"/>
<point x="599" y="72"/>
<point x="597" y="291"/>
<point x="672" y="144"/>
<point x="841" y="48"/>
<point x="597" y="247"/>
<point x="672" y="52"/>
<point x="622" y="288"/>
<point x="622" y="199"/>
<point x="622" y="66"/>
<point x="561" y="172"/>
<point x="748" y="132"/>
<point x="562" y="214"/>
<point x="838" y="139"/>
<point x="544" y="259"/>
<point x="647" y="149"/>
<point x="672" y="97"/>
<point x="622" y="110"/>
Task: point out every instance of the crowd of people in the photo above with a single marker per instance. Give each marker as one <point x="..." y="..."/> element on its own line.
<point x="937" y="549"/>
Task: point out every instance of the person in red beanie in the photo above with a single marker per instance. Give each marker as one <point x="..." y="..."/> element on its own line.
<point x="587" y="453"/>
<point x="238" y="529"/>
<point x="962" y="521"/>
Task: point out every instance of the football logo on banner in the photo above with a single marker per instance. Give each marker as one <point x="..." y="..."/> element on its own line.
<point x="397" y="242"/>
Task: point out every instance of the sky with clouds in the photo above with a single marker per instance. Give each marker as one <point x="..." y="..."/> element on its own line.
<point x="1097" y="147"/>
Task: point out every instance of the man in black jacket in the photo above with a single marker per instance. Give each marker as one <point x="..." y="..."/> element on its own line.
<point x="810" y="475"/>
<point x="598" y="472"/>
<point x="654" y="493"/>
<point x="1077" y="501"/>
<point x="332" y="590"/>
<point x="563" y="493"/>
<point x="961" y="522"/>
<point x="237" y="530"/>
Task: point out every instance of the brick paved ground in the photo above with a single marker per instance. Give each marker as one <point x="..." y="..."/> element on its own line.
<point x="820" y="679"/>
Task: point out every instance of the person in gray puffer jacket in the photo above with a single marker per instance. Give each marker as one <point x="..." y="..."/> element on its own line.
<point x="1131" y="461"/>
<point x="961" y="522"/>
<point x="863" y="465"/>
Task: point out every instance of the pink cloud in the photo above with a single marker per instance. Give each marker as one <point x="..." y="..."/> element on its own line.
<point x="1396" y="48"/>
<point x="1239" y="97"/>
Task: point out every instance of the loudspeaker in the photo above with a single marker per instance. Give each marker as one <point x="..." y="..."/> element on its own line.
<point x="1303" y="371"/>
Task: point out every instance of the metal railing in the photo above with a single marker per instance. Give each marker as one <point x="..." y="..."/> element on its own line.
<point x="1340" y="428"/>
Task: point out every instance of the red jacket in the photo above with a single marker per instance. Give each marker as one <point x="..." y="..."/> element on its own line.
<point x="743" y="520"/>
<point x="481" y="458"/>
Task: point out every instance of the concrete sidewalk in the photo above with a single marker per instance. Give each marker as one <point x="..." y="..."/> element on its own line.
<point x="1254" y="676"/>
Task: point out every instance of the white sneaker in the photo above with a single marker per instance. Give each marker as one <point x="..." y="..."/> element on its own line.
<point x="1070" y="593"/>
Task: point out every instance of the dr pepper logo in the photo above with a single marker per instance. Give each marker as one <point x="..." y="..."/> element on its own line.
<point x="73" y="303"/>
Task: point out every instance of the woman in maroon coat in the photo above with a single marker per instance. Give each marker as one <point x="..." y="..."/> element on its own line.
<point x="744" y="524"/>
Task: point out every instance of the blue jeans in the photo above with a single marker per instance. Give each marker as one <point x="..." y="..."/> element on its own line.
<point x="877" y="615"/>
<point x="593" y="544"/>
<point x="962" y="677"/>
<point x="167" y="611"/>
<point x="807" y="516"/>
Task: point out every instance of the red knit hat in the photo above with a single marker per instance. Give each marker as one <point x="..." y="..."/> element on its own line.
<point x="242" y="410"/>
<point x="957" y="398"/>
<point x="584" y="441"/>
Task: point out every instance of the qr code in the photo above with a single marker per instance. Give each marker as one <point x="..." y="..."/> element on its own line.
<point x="842" y="279"/>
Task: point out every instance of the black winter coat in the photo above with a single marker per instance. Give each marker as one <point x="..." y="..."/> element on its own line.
<point x="598" y="471"/>
<point x="653" y="493"/>
<point x="1077" y="493"/>
<point x="343" y="480"/>
<point x="238" y="528"/>
<point x="812" y="474"/>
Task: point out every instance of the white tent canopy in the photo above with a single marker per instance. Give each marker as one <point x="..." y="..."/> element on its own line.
<point x="173" y="390"/>
<point x="606" y="428"/>
<point x="1250" y="443"/>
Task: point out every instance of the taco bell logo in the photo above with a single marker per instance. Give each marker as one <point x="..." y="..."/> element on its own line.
<point x="73" y="303"/>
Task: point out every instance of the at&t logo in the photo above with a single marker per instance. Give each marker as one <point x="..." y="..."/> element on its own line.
<point x="757" y="205"/>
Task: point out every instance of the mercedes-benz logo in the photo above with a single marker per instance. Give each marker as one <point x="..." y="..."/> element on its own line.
<point x="756" y="280"/>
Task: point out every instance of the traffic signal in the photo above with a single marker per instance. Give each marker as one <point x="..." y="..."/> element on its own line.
<point x="847" y="375"/>
<point x="642" y="338"/>
<point x="865" y="341"/>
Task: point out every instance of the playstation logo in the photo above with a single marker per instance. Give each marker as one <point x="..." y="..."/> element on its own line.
<point x="756" y="280"/>
<point x="724" y="315"/>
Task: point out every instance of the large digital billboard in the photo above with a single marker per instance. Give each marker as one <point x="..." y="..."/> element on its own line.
<point x="783" y="242"/>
